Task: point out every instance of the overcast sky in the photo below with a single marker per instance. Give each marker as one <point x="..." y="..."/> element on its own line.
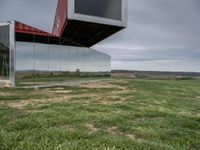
<point x="161" y="35"/>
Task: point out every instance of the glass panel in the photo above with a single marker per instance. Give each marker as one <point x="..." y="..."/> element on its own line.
<point x="65" y="63"/>
<point x="101" y="8"/>
<point x="4" y="52"/>
<point x="43" y="64"/>
<point x="54" y="63"/>
<point x="24" y="63"/>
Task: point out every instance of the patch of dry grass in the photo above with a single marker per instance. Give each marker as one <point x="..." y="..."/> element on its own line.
<point x="113" y="114"/>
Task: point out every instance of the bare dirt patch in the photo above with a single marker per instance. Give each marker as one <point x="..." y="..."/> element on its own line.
<point x="62" y="91"/>
<point x="37" y="102"/>
<point x="114" y="131"/>
<point x="112" y="100"/>
<point x="197" y="114"/>
<point x="106" y="84"/>
<point x="97" y="85"/>
<point x="91" y="128"/>
<point x="131" y="136"/>
<point x="68" y="127"/>
<point x="19" y="104"/>
<point x="115" y="89"/>
<point x="59" y="88"/>
<point x="60" y="95"/>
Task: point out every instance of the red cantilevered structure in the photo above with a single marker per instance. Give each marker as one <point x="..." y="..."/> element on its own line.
<point x="79" y="22"/>
<point x="26" y="29"/>
<point x="27" y="33"/>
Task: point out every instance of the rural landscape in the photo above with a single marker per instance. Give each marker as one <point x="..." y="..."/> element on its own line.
<point x="99" y="75"/>
<point x="102" y="113"/>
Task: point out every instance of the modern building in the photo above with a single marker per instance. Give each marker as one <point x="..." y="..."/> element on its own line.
<point x="28" y="53"/>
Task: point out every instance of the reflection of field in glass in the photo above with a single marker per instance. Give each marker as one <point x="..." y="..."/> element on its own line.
<point x="44" y="78"/>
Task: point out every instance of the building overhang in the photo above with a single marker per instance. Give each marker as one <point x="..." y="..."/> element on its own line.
<point x="88" y="22"/>
<point x="27" y="33"/>
<point x="79" y="23"/>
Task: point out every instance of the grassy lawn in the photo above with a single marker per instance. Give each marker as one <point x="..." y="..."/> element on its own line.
<point x="114" y="114"/>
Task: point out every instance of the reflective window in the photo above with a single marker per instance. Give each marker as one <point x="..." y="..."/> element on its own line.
<point x="110" y="9"/>
<point x="4" y="52"/>
<point x="39" y="64"/>
<point x="25" y="63"/>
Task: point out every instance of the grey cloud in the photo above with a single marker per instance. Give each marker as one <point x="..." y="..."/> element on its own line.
<point x="158" y="30"/>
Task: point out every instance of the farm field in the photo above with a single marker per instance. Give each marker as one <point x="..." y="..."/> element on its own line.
<point x="111" y="114"/>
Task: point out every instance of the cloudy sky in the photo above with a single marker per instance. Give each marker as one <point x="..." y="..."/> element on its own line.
<point x="161" y="35"/>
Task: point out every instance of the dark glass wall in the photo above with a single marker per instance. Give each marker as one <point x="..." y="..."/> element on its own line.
<point x="111" y="9"/>
<point x="4" y="52"/>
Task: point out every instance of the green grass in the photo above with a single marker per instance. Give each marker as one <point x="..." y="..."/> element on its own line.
<point x="131" y="114"/>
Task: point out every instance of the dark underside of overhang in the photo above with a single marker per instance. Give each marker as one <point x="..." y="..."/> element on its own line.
<point x="86" y="33"/>
<point x="23" y="37"/>
<point x="76" y="33"/>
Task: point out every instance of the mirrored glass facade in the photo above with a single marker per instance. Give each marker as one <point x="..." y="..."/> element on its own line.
<point x="44" y="63"/>
<point x="45" y="59"/>
<point x="4" y="52"/>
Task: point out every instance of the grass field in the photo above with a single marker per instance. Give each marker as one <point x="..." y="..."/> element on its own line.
<point x="113" y="114"/>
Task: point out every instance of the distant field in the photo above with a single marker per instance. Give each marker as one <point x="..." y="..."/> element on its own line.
<point x="112" y="114"/>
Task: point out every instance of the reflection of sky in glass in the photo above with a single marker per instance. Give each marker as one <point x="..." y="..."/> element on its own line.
<point x="59" y="58"/>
